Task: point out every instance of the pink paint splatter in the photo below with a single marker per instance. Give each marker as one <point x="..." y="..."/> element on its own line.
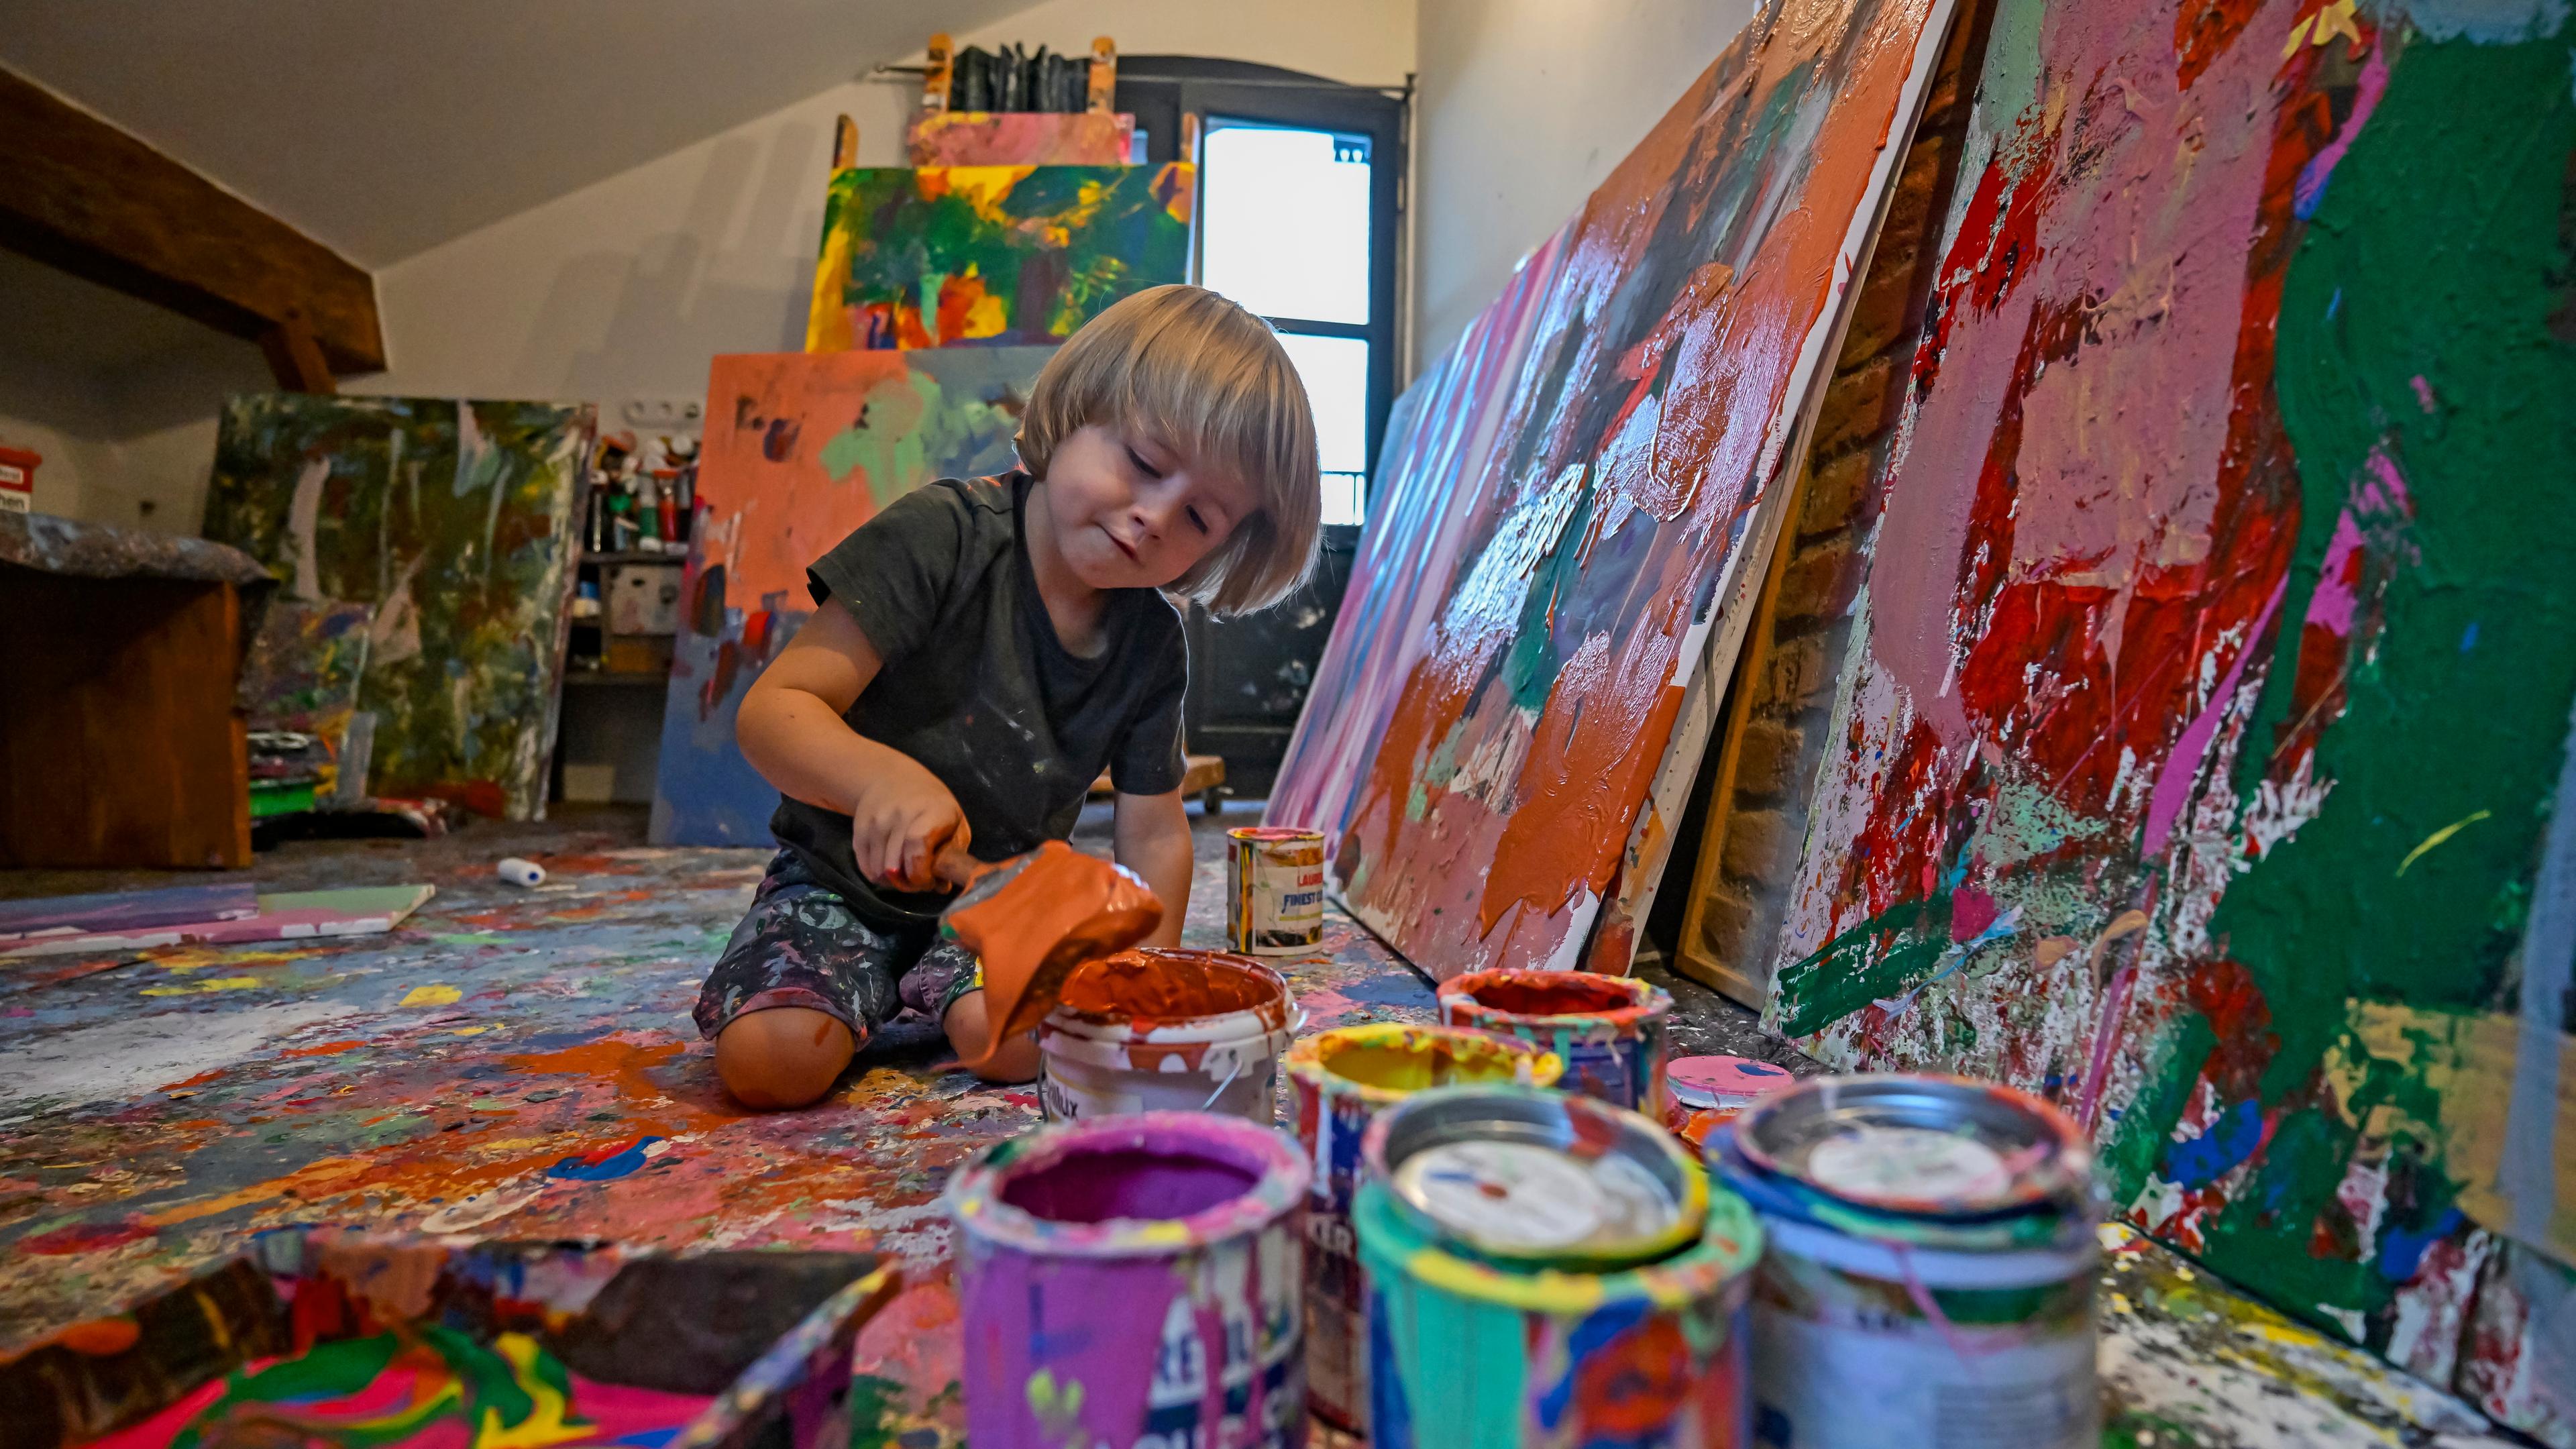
<point x="2367" y="89"/>
<point x="2173" y="783"/>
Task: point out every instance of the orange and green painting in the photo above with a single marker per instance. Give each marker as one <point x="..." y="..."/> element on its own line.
<point x="944" y="256"/>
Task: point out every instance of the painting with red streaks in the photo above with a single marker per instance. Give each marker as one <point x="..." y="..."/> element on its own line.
<point x="1624" y="408"/>
<point x="801" y="448"/>
<point x="2201" y="759"/>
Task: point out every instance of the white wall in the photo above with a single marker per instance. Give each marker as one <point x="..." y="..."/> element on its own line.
<point x="1524" y="107"/>
<point x="130" y="443"/>
<point x="624" y="289"/>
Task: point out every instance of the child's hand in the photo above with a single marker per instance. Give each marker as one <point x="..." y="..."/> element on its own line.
<point x="900" y="822"/>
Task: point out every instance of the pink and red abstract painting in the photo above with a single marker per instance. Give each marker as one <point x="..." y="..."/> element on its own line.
<point x="2201" y="760"/>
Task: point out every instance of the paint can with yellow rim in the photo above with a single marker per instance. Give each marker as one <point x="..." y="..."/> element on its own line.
<point x="1931" y="1267"/>
<point x="1548" y="1270"/>
<point x="1274" y="898"/>
<point x="1341" y="1080"/>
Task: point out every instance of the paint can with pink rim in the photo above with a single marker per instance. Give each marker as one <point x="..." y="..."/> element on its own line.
<point x="1341" y="1080"/>
<point x="1931" y="1268"/>
<point x="1156" y="1030"/>
<point x="1133" y="1282"/>
<point x="1702" y="1094"/>
<point x="1274" y="890"/>
<point x="1609" y="1030"/>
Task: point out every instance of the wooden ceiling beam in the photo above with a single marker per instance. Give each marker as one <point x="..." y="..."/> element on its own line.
<point x="79" y="194"/>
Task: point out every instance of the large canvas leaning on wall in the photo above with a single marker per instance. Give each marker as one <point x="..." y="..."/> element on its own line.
<point x="453" y="520"/>
<point x="1572" y="498"/>
<point x="2202" y="756"/>
<point x="994" y="256"/>
<point x="801" y="448"/>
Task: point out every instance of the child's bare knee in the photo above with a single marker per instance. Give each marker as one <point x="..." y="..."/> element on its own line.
<point x="787" y="1056"/>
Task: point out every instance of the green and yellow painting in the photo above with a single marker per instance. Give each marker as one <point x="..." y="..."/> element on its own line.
<point x="943" y="256"/>
<point x="454" y="521"/>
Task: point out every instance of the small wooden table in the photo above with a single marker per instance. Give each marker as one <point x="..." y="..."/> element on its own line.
<point x="120" y="741"/>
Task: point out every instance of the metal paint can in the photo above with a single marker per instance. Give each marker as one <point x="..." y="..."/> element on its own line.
<point x="1609" y="1029"/>
<point x="1702" y="1094"/>
<point x="1931" y="1268"/>
<point x="1166" y="1030"/>
<point x="1341" y="1080"/>
<point x="1133" y="1282"/>
<point x="1472" y="1351"/>
<point x="1274" y="878"/>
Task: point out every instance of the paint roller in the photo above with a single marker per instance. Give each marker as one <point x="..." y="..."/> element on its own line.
<point x="1033" y="918"/>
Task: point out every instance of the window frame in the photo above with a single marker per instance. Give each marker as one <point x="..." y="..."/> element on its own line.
<point x="1164" y="92"/>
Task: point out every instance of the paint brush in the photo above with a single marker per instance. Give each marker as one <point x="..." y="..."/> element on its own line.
<point x="1033" y="918"/>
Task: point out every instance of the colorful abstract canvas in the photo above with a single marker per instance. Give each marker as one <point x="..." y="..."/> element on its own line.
<point x="2202" y="757"/>
<point x="1019" y="138"/>
<point x="942" y="256"/>
<point x="453" y="521"/>
<point x="801" y="448"/>
<point x="1538" y="608"/>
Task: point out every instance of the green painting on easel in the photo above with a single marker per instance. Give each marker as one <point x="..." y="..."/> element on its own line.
<point x="454" y="520"/>
<point x="996" y="256"/>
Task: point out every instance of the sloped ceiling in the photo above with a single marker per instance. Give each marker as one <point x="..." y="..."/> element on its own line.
<point x="382" y="128"/>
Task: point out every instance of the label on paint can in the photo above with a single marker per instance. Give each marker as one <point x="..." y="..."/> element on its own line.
<point x="1825" y="1385"/>
<point x="1177" y="1399"/>
<point x="1274" y="890"/>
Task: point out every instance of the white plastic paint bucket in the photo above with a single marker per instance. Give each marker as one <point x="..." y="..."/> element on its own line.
<point x="1157" y="1030"/>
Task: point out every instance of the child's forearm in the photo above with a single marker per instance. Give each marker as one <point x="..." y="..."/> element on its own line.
<point x="800" y="744"/>
<point x="1152" y="838"/>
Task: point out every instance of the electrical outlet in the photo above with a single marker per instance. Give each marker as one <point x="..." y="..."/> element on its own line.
<point x="665" y="413"/>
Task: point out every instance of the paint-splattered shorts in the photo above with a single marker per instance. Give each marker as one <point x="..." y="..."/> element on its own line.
<point x="802" y="945"/>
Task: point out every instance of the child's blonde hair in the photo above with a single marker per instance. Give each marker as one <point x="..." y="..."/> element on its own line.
<point x="1198" y="374"/>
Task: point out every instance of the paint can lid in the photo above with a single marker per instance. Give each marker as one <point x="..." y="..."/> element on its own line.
<point x="1724" y="1082"/>
<point x="1519" y="1176"/>
<point x="1921" y="1145"/>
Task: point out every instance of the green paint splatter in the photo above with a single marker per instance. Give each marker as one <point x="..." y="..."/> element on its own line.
<point x="1878" y="958"/>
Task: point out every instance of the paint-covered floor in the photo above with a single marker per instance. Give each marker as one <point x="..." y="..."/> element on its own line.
<point x="520" y="1064"/>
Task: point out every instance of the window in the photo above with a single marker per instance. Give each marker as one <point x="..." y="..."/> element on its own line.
<point x="1297" y="221"/>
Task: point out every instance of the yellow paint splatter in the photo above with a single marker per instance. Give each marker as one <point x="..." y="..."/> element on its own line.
<point x="432" y="995"/>
<point x="469" y="1031"/>
<point x="220" y="983"/>
<point x="2438" y="836"/>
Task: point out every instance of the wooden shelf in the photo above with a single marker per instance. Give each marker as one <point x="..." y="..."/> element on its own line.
<point x="634" y="556"/>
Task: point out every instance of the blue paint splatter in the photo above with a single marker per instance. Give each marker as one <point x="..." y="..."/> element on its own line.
<point x="605" y="1164"/>
<point x="2469" y="637"/>
<point x="2228" y="1141"/>
<point x="2401" y="1253"/>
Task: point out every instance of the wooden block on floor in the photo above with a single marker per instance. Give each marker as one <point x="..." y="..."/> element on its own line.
<point x="1201" y="775"/>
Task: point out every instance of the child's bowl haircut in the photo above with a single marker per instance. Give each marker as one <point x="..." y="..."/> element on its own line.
<point x="1197" y="374"/>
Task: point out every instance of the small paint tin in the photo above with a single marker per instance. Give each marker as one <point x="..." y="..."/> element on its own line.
<point x="1609" y="1029"/>
<point x="1702" y="1094"/>
<point x="1467" y="1354"/>
<point x="1341" y="1080"/>
<point x="1531" y="1178"/>
<point x="1133" y="1282"/>
<point x="1931" y="1268"/>
<point x="1274" y="888"/>
<point x="1166" y="1030"/>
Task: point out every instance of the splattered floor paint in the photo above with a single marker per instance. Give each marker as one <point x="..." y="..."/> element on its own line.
<point x="521" y="1063"/>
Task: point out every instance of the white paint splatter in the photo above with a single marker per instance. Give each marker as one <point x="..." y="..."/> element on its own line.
<point x="121" y="1058"/>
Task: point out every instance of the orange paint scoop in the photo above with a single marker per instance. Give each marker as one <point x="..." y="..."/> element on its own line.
<point x="1033" y="918"/>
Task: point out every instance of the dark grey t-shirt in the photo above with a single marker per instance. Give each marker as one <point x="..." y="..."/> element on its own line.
<point x="977" y="687"/>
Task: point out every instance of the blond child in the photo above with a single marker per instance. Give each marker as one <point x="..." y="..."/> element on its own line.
<point x="981" y="651"/>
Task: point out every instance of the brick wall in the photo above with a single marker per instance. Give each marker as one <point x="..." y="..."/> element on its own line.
<point x="1759" y="782"/>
